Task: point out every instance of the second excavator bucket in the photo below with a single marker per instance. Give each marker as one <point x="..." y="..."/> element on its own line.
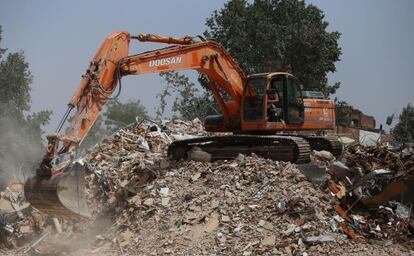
<point x="60" y="195"/>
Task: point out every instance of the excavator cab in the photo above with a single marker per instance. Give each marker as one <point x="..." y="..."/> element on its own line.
<point x="274" y="98"/>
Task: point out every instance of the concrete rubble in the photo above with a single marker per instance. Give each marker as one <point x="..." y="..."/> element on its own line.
<point x="144" y="204"/>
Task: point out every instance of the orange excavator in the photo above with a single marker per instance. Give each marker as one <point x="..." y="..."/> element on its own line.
<point x="263" y="114"/>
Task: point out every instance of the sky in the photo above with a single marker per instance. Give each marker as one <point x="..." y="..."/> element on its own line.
<point x="60" y="37"/>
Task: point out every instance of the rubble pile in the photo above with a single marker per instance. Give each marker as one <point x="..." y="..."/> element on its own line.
<point x="178" y="128"/>
<point x="22" y="228"/>
<point x="244" y="206"/>
<point x="18" y="222"/>
<point x="144" y="204"/>
<point x="375" y="188"/>
<point x="249" y="205"/>
<point x="131" y="158"/>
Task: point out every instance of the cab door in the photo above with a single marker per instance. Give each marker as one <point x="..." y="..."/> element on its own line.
<point x="254" y="99"/>
<point x="295" y="108"/>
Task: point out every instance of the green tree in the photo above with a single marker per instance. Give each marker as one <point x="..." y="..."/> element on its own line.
<point x="115" y="116"/>
<point x="15" y="80"/>
<point x="15" y="87"/>
<point x="265" y="36"/>
<point x="268" y="34"/>
<point x="20" y="131"/>
<point x="343" y="112"/>
<point x="189" y="102"/>
<point x="121" y="114"/>
<point x="404" y="130"/>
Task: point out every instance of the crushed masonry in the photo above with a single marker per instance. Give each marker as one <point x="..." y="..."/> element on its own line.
<point x="144" y="204"/>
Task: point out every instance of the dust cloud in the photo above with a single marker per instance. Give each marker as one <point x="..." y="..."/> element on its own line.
<point x="20" y="151"/>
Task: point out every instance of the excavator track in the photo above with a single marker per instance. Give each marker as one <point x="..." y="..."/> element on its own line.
<point x="280" y="148"/>
<point x="328" y="143"/>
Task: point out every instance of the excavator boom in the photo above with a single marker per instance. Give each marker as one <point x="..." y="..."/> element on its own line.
<point x="57" y="187"/>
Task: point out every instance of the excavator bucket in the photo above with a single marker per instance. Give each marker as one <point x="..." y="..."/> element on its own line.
<point x="60" y="195"/>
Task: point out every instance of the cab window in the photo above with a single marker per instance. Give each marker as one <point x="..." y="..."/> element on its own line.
<point x="277" y="84"/>
<point x="294" y="105"/>
<point x="294" y="91"/>
<point x="253" y="102"/>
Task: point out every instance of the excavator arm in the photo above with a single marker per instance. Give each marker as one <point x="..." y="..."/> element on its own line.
<point x="209" y="58"/>
<point x="111" y="62"/>
<point x="56" y="189"/>
<point x="95" y="89"/>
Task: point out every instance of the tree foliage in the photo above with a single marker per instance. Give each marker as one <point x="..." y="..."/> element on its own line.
<point x="265" y="36"/>
<point x="115" y="116"/>
<point x="189" y="102"/>
<point x="268" y="34"/>
<point x="15" y="99"/>
<point x="20" y="131"/>
<point x="15" y="83"/>
<point x="120" y="114"/>
<point x="404" y="130"/>
<point x="15" y="87"/>
<point x="343" y="111"/>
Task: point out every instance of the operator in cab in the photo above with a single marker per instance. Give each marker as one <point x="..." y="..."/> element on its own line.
<point x="274" y="112"/>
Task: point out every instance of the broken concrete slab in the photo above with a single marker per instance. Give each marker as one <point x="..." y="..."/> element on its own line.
<point x="314" y="173"/>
